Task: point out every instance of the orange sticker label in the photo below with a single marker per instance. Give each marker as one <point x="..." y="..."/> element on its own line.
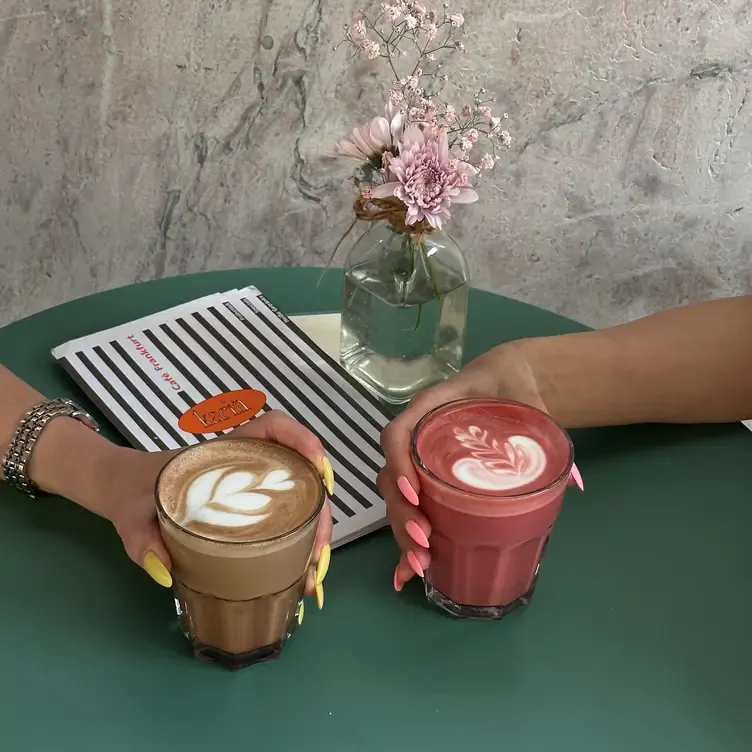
<point x="222" y="411"/>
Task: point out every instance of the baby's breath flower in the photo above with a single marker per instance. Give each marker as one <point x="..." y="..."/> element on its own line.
<point x="396" y="97"/>
<point x="391" y="12"/>
<point x="370" y="49"/>
<point x="457" y="20"/>
<point x="487" y="162"/>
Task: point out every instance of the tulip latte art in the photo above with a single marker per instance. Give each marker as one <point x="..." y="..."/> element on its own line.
<point x="225" y="496"/>
<point x="493" y="464"/>
<point x="232" y="498"/>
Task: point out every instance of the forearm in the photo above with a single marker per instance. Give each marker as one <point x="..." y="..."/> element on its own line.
<point x="69" y="458"/>
<point x="690" y="364"/>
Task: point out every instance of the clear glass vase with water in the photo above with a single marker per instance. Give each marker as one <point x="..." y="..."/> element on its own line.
<point x="404" y="309"/>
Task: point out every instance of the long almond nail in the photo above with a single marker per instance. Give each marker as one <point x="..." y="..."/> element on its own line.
<point x="319" y="595"/>
<point x="407" y="490"/>
<point x="301" y="612"/>
<point x="328" y="476"/>
<point x="156" y="570"/>
<point x="412" y="560"/>
<point x="323" y="566"/>
<point x="577" y="477"/>
<point x="414" y="531"/>
<point x="397" y="581"/>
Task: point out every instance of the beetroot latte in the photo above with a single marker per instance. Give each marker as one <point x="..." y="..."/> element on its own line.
<point x="492" y="480"/>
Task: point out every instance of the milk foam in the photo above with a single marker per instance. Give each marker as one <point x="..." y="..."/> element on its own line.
<point x="494" y="465"/>
<point x="228" y="497"/>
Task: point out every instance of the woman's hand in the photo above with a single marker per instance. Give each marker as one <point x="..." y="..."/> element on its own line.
<point x="128" y="499"/>
<point x="502" y="373"/>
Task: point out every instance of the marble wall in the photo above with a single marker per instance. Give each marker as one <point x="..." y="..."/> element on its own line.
<point x="140" y="139"/>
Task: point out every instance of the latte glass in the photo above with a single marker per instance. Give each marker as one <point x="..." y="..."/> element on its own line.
<point x="492" y="481"/>
<point x="238" y="592"/>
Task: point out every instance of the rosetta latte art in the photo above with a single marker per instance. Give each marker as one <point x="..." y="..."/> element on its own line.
<point x="232" y="498"/>
<point x="495" y="465"/>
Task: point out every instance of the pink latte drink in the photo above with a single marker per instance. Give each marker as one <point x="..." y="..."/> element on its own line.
<point x="492" y="481"/>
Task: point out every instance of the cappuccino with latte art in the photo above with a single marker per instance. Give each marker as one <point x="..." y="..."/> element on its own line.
<point x="239" y="518"/>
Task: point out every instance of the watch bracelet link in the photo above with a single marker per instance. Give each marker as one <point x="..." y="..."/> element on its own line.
<point x="16" y="460"/>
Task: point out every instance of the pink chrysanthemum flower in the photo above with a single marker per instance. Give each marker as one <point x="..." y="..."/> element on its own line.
<point x="426" y="178"/>
<point x="370" y="141"/>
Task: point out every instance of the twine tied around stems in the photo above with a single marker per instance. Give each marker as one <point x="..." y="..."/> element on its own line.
<point x="390" y="209"/>
<point x="393" y="210"/>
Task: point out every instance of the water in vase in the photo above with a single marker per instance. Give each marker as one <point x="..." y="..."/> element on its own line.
<point x="402" y="330"/>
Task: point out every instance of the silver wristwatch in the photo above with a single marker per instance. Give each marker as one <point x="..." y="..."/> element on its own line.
<point x="15" y="463"/>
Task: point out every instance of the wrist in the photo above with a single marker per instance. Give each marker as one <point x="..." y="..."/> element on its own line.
<point x="565" y="369"/>
<point x="75" y="462"/>
<point x="504" y="372"/>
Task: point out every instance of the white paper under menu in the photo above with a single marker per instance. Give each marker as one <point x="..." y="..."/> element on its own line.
<point x="191" y="368"/>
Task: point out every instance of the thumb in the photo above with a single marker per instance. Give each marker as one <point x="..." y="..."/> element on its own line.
<point x="397" y="436"/>
<point x="146" y="548"/>
<point x="395" y="441"/>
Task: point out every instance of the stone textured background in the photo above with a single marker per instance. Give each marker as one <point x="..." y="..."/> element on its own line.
<point x="144" y="139"/>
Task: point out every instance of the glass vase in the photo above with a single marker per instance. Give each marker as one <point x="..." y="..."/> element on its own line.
<point x="404" y="310"/>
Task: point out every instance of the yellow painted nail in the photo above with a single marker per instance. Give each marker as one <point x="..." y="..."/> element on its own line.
<point x="156" y="570"/>
<point x="301" y="613"/>
<point x="323" y="566"/>
<point x="328" y="476"/>
<point x="319" y="595"/>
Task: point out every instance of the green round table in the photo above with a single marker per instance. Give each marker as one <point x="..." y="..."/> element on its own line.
<point x="639" y="637"/>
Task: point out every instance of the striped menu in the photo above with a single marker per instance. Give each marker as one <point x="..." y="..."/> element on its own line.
<point x="195" y="371"/>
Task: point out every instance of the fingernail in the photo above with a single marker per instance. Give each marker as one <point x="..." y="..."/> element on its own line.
<point x="156" y="570"/>
<point x="412" y="560"/>
<point x="319" y="595"/>
<point x="328" y="476"/>
<point x="407" y="490"/>
<point x="323" y="566"/>
<point x="301" y="612"/>
<point x="414" y="531"/>
<point x="397" y="582"/>
<point x="577" y="477"/>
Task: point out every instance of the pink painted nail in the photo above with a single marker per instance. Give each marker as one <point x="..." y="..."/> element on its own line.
<point x="397" y="582"/>
<point x="577" y="477"/>
<point x="407" y="490"/>
<point x="414" y="531"/>
<point x="412" y="560"/>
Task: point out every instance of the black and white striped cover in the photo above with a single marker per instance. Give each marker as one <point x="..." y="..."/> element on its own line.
<point x="145" y="374"/>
